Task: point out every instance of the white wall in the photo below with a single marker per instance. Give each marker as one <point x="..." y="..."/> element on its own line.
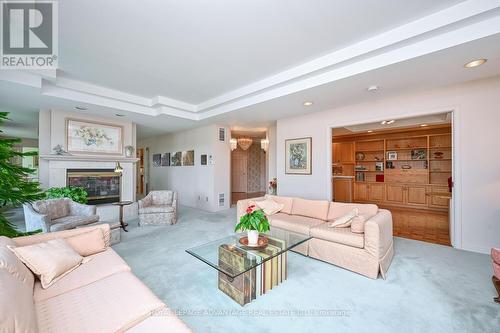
<point x="476" y="107"/>
<point x="199" y="185"/>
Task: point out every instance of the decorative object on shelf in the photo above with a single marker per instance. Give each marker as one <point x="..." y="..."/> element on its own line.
<point x="165" y="159"/>
<point x="254" y="221"/>
<point x="77" y="194"/>
<point x="376" y="158"/>
<point x="379" y="178"/>
<point x="176" y="159"/>
<point x="156" y="160"/>
<point x="203" y="159"/>
<point x="188" y="158"/>
<point x="360" y="156"/>
<point x="58" y="149"/>
<point x="118" y="168"/>
<point x="234" y="144"/>
<point x="360" y="168"/>
<point x="245" y="143"/>
<point x="438" y="155"/>
<point x="360" y="176"/>
<point x="264" y="144"/>
<point x="298" y="157"/>
<point x="389" y="165"/>
<point x="406" y="167"/>
<point x="262" y="242"/>
<point x="379" y="166"/>
<point x="273" y="186"/>
<point x="129" y="151"/>
<point x="418" y="154"/>
<point x="88" y="137"/>
<point x="392" y="155"/>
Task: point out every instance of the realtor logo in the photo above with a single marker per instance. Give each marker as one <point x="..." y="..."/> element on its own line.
<point x="28" y="35"/>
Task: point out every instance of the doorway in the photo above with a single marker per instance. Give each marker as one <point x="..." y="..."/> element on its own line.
<point x="248" y="167"/>
<point x="402" y="165"/>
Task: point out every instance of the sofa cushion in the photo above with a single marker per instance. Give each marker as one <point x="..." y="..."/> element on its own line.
<point x="162" y="197"/>
<point x="54" y="208"/>
<point x="338" y="209"/>
<point x="102" y="265"/>
<point x="338" y="235"/>
<point x="72" y="221"/>
<point x="50" y="260"/>
<point x="156" y="209"/>
<point x="345" y="220"/>
<point x="495" y="255"/>
<point x="88" y="243"/>
<point x="287" y="202"/>
<point x="496" y="270"/>
<point x="17" y="311"/>
<point x="358" y="224"/>
<point x="164" y="321"/>
<point x="112" y="304"/>
<point x="11" y="263"/>
<point x="269" y="206"/>
<point x="295" y="223"/>
<point x="317" y="209"/>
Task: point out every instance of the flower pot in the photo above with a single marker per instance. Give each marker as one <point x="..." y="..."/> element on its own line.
<point x="253" y="237"/>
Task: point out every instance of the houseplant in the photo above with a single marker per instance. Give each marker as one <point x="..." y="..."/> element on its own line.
<point x="15" y="187"/>
<point x="77" y="194"/>
<point x="254" y="222"/>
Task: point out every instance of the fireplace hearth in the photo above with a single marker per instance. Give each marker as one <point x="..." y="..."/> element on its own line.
<point x="102" y="185"/>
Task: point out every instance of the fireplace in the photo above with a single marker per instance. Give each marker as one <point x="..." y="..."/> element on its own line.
<point x="102" y="185"/>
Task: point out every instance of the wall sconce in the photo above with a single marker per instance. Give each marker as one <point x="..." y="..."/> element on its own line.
<point x="118" y="168"/>
<point x="264" y="144"/>
<point x="234" y="144"/>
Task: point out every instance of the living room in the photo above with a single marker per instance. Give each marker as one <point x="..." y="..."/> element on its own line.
<point x="178" y="173"/>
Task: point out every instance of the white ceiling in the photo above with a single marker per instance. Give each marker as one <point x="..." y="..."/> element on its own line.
<point x="171" y="65"/>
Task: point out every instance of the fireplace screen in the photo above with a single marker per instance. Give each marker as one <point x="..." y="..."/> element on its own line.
<point x="102" y="185"/>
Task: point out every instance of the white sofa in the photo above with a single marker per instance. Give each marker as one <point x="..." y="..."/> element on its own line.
<point x="368" y="253"/>
<point x="101" y="295"/>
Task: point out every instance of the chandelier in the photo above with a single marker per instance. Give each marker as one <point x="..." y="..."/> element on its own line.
<point x="244" y="143"/>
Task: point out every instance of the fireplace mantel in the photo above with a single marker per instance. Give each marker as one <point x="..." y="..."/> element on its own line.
<point x="104" y="158"/>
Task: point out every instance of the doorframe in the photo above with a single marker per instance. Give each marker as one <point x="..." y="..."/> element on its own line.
<point x="455" y="210"/>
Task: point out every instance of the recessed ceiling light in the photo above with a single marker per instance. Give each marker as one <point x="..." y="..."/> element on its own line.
<point x="81" y="108"/>
<point x="369" y="131"/>
<point x="119" y="115"/>
<point x="475" y="63"/>
<point x="423" y="125"/>
<point x="391" y="122"/>
<point x="383" y="122"/>
<point x="373" y="88"/>
<point x="308" y="103"/>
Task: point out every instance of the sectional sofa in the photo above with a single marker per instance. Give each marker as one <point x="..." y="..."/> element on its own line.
<point x="101" y="295"/>
<point x="366" y="252"/>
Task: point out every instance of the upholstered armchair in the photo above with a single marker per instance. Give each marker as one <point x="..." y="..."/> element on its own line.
<point x="58" y="214"/>
<point x="158" y="208"/>
<point x="495" y="256"/>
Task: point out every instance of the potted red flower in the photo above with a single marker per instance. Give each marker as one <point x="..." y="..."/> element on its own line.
<point x="254" y="222"/>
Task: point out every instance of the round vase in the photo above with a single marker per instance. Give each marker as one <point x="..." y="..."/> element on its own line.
<point x="129" y="151"/>
<point x="253" y="237"/>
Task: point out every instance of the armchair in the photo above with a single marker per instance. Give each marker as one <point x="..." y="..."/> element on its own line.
<point x="158" y="208"/>
<point x="58" y="214"/>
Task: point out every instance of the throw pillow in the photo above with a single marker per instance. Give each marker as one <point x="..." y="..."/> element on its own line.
<point x="269" y="206"/>
<point x="88" y="243"/>
<point x="49" y="260"/>
<point x="358" y="224"/>
<point x="344" y="221"/>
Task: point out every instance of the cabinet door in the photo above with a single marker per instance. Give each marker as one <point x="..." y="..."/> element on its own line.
<point x="347" y="152"/>
<point x="416" y="195"/>
<point x="360" y="192"/>
<point x="343" y="190"/>
<point x="436" y="201"/>
<point x="376" y="192"/>
<point x="336" y="153"/>
<point x="394" y="194"/>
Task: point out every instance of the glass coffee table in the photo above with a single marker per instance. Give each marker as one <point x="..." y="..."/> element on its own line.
<point x="246" y="273"/>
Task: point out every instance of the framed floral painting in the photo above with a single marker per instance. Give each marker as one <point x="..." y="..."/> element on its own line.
<point x="87" y="137"/>
<point x="298" y="156"/>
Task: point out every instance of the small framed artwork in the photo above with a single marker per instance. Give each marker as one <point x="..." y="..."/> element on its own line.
<point x="203" y="159"/>
<point x="165" y="159"/>
<point x="156" y="160"/>
<point x="176" y="159"/>
<point x="88" y="137"/>
<point x="188" y="158"/>
<point x="392" y="155"/>
<point x="419" y="154"/>
<point x="379" y="166"/>
<point x="298" y="156"/>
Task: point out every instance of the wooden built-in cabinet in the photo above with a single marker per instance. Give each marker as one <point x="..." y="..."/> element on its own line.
<point x="402" y="170"/>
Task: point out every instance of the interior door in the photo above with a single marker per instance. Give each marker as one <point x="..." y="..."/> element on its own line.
<point x="239" y="171"/>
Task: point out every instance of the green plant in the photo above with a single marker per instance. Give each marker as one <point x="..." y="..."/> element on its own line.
<point x="254" y="219"/>
<point x="15" y="187"/>
<point x="77" y="194"/>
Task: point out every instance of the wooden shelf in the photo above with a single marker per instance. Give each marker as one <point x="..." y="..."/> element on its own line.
<point x="368" y="170"/>
<point x="370" y="151"/>
<point x="392" y="149"/>
<point x="361" y="161"/>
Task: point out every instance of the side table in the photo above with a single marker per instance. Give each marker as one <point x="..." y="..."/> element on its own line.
<point x="121" y="204"/>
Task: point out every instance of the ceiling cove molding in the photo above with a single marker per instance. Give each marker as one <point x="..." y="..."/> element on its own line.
<point x="462" y="23"/>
